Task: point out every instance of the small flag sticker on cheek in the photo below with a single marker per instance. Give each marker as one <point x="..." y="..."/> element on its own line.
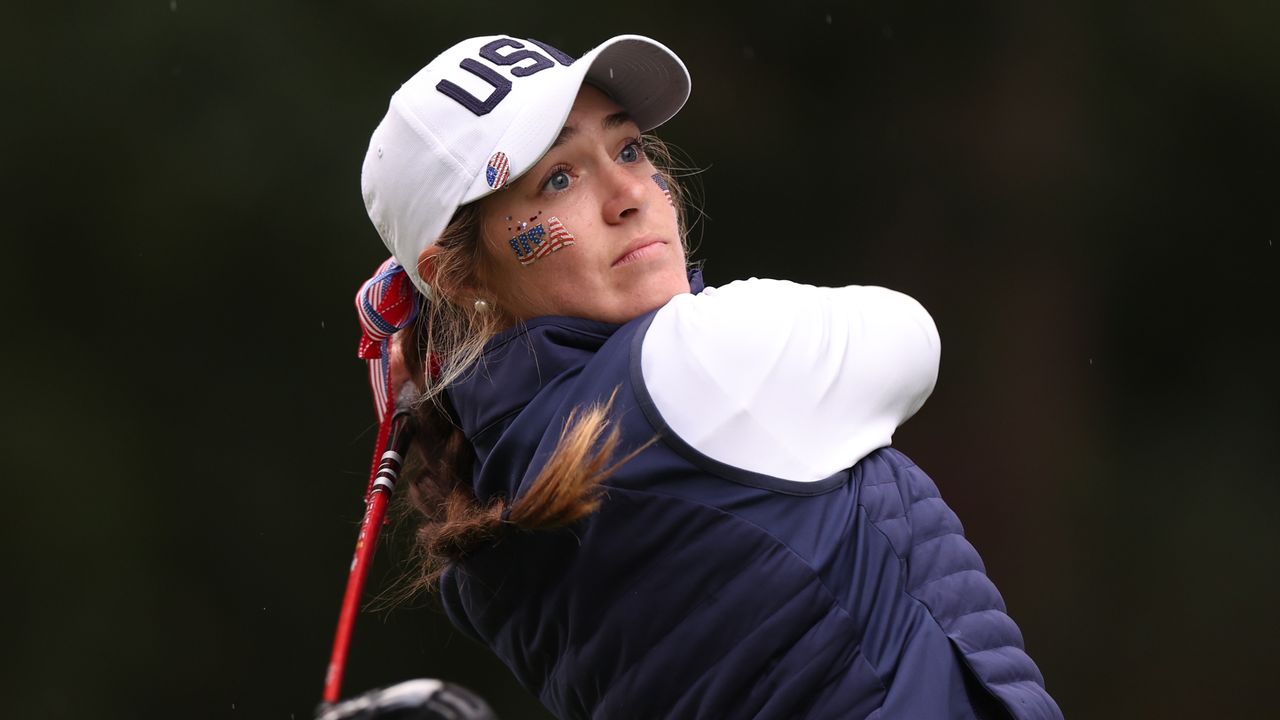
<point x="666" y="189"/>
<point x="498" y="170"/>
<point x="539" y="241"/>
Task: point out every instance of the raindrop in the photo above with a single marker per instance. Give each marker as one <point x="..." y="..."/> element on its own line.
<point x="828" y="18"/>
<point x="173" y="5"/>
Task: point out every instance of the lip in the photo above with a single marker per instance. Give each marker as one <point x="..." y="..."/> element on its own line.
<point x="639" y="249"/>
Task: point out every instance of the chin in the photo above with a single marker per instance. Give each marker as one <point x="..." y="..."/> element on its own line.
<point x="659" y="294"/>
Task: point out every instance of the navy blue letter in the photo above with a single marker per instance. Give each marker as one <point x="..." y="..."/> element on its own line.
<point x="501" y="86"/>
<point x="563" y="58"/>
<point x="490" y="52"/>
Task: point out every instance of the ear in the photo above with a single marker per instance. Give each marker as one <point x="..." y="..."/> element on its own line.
<point x="427" y="264"/>
<point x="457" y="292"/>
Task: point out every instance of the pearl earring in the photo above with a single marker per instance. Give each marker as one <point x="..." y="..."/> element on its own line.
<point x="482" y="306"/>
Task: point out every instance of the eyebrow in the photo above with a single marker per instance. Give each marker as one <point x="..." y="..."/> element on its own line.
<point x="610" y="122"/>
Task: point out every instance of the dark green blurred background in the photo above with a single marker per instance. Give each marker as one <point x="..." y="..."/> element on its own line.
<point x="1083" y="194"/>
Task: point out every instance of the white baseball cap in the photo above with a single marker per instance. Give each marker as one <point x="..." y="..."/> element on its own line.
<point x="485" y="111"/>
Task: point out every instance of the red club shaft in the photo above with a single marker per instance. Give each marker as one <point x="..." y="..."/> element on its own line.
<point x="384" y="484"/>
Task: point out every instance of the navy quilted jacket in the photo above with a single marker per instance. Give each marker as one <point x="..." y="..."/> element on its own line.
<point x="701" y="590"/>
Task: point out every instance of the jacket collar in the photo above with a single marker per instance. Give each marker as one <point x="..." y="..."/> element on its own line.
<point x="517" y="364"/>
<point x="520" y="362"/>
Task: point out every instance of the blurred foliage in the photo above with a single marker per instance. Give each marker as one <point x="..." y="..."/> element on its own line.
<point x="1081" y="193"/>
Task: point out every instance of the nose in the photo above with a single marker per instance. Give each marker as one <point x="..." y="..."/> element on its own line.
<point x="625" y="193"/>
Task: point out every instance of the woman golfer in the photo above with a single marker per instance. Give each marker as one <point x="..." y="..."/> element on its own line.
<point x="652" y="499"/>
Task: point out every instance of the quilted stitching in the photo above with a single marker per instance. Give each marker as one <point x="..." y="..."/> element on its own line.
<point x="945" y="573"/>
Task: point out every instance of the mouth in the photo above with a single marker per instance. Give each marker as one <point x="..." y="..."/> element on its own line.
<point x="639" y="249"/>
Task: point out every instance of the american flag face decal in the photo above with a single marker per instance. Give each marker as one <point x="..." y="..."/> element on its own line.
<point x="498" y="170"/>
<point x="540" y="241"/>
<point x="666" y="189"/>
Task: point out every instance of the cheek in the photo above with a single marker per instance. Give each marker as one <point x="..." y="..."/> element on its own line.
<point x="531" y="243"/>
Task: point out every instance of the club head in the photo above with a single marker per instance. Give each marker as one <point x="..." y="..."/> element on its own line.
<point x="422" y="699"/>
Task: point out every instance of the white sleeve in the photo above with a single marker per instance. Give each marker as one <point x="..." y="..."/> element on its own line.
<point x="788" y="380"/>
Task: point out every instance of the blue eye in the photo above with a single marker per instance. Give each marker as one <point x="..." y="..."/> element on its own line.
<point x="631" y="153"/>
<point x="558" y="181"/>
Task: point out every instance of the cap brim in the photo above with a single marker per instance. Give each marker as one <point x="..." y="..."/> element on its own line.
<point x="641" y="75"/>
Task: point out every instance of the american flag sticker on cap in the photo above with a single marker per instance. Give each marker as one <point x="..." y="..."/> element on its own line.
<point x="497" y="171"/>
